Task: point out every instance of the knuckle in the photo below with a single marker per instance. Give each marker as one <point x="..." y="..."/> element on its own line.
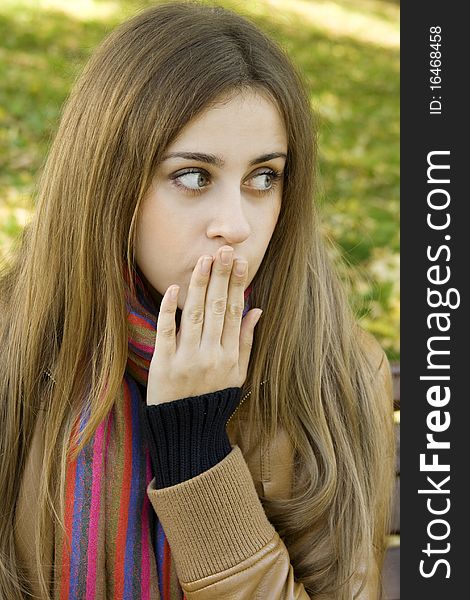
<point x="230" y="361"/>
<point x="239" y="281"/>
<point x="166" y="332"/>
<point x="196" y="315"/>
<point x="183" y="376"/>
<point x="200" y="281"/>
<point x="207" y="364"/>
<point x="235" y="310"/>
<point x="205" y="367"/>
<point x="223" y="269"/>
<point x="248" y="342"/>
<point x="219" y="305"/>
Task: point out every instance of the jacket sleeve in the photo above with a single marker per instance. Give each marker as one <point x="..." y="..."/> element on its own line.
<point x="188" y="436"/>
<point x="223" y="544"/>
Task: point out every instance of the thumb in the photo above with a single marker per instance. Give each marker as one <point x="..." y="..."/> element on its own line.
<point x="247" y="331"/>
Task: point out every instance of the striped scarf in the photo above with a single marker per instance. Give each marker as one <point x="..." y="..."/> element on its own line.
<point x="117" y="547"/>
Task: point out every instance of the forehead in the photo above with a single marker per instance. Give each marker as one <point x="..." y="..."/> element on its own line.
<point x="240" y="119"/>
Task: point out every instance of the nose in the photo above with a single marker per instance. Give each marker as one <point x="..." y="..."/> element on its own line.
<point x="229" y="221"/>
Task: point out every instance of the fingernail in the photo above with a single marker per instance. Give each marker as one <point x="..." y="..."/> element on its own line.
<point x="174" y="293"/>
<point x="226" y="256"/>
<point x="260" y="312"/>
<point x="206" y="265"/>
<point x="240" y="267"/>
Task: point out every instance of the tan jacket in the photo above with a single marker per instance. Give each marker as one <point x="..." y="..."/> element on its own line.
<point x="222" y="543"/>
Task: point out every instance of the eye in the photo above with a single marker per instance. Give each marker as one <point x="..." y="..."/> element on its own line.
<point x="267" y="180"/>
<point x="264" y="180"/>
<point x="191" y="180"/>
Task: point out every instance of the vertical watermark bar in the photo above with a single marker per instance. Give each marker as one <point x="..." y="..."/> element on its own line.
<point x="435" y="376"/>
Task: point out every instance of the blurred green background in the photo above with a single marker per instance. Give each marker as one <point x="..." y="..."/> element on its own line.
<point x="348" y="51"/>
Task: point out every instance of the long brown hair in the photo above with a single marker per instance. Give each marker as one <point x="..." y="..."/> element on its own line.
<point x="63" y="309"/>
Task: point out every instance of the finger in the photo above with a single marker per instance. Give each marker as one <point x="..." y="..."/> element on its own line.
<point x="235" y="305"/>
<point x="166" y="325"/>
<point x="192" y="315"/>
<point x="247" y="332"/>
<point x="216" y="297"/>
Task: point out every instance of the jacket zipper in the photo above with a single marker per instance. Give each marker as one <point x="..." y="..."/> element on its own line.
<point x="241" y="402"/>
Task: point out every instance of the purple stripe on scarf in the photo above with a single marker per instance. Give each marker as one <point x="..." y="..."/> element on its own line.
<point x="145" y="585"/>
<point x="85" y="515"/>
<point x="160" y="535"/>
<point x="77" y="518"/>
<point x="134" y="494"/>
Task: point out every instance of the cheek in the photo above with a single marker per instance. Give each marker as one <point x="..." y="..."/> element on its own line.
<point x="151" y="238"/>
<point x="159" y="224"/>
<point x="266" y="223"/>
<point x="164" y="236"/>
<point x="270" y="217"/>
<point x="147" y="235"/>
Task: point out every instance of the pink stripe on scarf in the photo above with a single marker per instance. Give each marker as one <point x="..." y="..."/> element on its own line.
<point x="121" y="535"/>
<point x="94" y="512"/>
<point x="143" y="347"/>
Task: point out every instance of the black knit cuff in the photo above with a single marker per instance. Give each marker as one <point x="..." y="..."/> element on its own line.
<point x="188" y="436"/>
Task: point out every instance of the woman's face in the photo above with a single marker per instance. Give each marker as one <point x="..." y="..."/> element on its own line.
<point x="219" y="183"/>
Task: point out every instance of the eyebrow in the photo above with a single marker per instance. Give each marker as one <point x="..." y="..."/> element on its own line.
<point x="212" y="159"/>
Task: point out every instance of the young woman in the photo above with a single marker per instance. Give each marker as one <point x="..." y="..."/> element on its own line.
<point x="161" y="445"/>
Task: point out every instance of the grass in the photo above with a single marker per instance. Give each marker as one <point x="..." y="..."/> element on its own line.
<point x="348" y="51"/>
